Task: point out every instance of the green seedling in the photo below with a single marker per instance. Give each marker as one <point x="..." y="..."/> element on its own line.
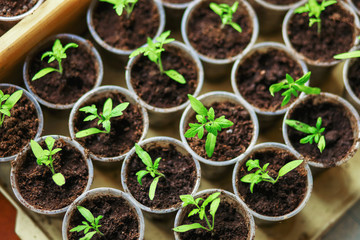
<point x="262" y="175"/>
<point x="314" y="133"/>
<point x="104" y="117"/>
<point x="7" y="102"/>
<point x="92" y="224"/>
<point x="151" y="168"/>
<point x="153" y="50"/>
<point x="293" y="87"/>
<point x="226" y="14"/>
<point x="57" y="53"/>
<point x="120" y="5"/>
<point x="214" y="199"/>
<point x="314" y="9"/>
<point x="206" y="118"/>
<point x="46" y="157"/>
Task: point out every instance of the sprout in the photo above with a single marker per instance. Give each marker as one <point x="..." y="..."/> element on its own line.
<point x="119" y="6"/>
<point x="226" y="14"/>
<point x="86" y="227"/>
<point x="10" y="101"/>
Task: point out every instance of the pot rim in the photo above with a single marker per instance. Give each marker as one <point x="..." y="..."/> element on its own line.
<point x="347" y="65"/>
<point x="278" y="7"/>
<point x="309" y="182"/>
<point x="132" y="152"/>
<point x="87" y="44"/>
<point x="56" y="212"/>
<point x="21" y="16"/>
<point x="175" y="6"/>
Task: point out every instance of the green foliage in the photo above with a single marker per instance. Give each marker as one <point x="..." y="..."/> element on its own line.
<point x="7" y="102"/>
<point x="119" y="6"/>
<point x="153" y="50"/>
<point x="86" y="227"/>
<point x="214" y="199"/>
<point x="261" y="175"/>
<point x="206" y="118"/>
<point x="104" y="117"/>
<point x="226" y="14"/>
<point x="354" y="54"/>
<point x="293" y="87"/>
<point x="151" y="168"/>
<point x="314" y="9"/>
<point x="45" y="157"/>
<point x="57" y="53"/>
<point x="314" y="133"/>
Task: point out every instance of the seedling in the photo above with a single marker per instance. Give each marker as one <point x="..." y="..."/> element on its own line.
<point x="200" y="210"/>
<point x="104" y="117"/>
<point x="293" y="87"/>
<point x="86" y="227"/>
<point x="226" y="14"/>
<point x="206" y="118"/>
<point x="314" y="133"/>
<point x="46" y="157"/>
<point x="261" y="175"/>
<point x="354" y="54"/>
<point x="57" y="53"/>
<point x="314" y="9"/>
<point x="10" y="101"/>
<point x="151" y="168"/>
<point x="119" y="6"/>
<point x="153" y="51"/>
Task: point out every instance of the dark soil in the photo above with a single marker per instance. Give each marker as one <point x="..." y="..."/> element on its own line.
<point x="20" y="127"/>
<point x="354" y="77"/>
<point x="282" y="2"/>
<point x="35" y="182"/>
<point x="230" y="142"/>
<point x="158" y="89"/>
<point x="126" y="33"/>
<point x="80" y="70"/>
<point x="356" y="3"/>
<point x="262" y="69"/>
<point x="337" y="34"/>
<point x="126" y="130"/>
<point x="10" y="8"/>
<point x="180" y="177"/>
<point x="279" y="198"/>
<point x="338" y="131"/>
<point x="119" y="221"/>
<point x="229" y="224"/>
<point x="208" y="38"/>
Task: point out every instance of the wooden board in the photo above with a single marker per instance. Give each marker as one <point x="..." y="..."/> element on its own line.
<point x="335" y="190"/>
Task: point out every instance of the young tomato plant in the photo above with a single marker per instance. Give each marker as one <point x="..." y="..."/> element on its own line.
<point x="206" y="118"/>
<point x="261" y="175"/>
<point x="314" y="133"/>
<point x="46" y="157"/>
<point x="293" y="87"/>
<point x="86" y="227"/>
<point x="153" y="51"/>
<point x="151" y="168"/>
<point x="314" y="9"/>
<point x="104" y="117"/>
<point x="214" y="199"/>
<point x="57" y="53"/>
<point x="226" y="14"/>
<point x="119" y="6"/>
<point x="7" y="102"/>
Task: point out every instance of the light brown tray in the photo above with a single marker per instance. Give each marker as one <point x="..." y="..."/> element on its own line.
<point x="335" y="190"/>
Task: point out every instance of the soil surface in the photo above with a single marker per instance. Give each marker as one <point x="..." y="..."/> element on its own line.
<point x="120" y="220"/>
<point x="158" y="89"/>
<point x="180" y="177"/>
<point x="338" y="130"/>
<point x="282" y="2"/>
<point x="229" y="223"/>
<point x="126" y="33"/>
<point x="35" y="182"/>
<point x="354" y="77"/>
<point x="262" y="69"/>
<point x="126" y="130"/>
<point x="10" y="8"/>
<point x="337" y="34"/>
<point x="80" y="70"/>
<point x="230" y="142"/>
<point x="279" y="198"/>
<point x="18" y="129"/>
<point x="208" y="38"/>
